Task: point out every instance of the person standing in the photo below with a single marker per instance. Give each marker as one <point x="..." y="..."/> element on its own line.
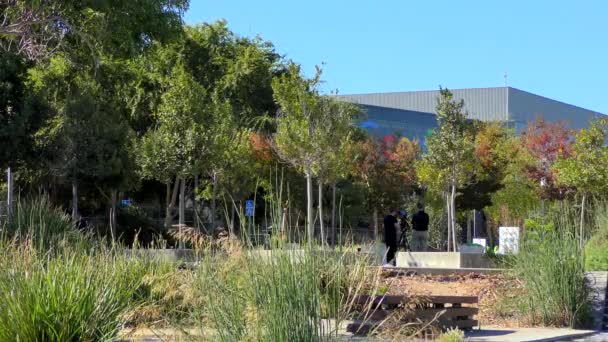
<point x="391" y="225"/>
<point x="420" y="229"/>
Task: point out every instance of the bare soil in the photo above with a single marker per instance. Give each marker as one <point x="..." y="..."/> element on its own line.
<point x="494" y="291"/>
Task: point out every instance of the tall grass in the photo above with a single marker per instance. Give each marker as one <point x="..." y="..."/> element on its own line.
<point x="551" y="265"/>
<point x="278" y="296"/>
<point x="73" y="295"/>
<point x="39" y="222"/>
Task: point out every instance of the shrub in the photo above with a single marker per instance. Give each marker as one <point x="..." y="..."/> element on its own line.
<point x="596" y="252"/>
<point x="133" y="222"/>
<point x="596" y="249"/>
<point x="74" y="295"/>
<point x="284" y="297"/>
<point x="39" y="222"/>
<point x="551" y="265"/>
<point x="452" y="335"/>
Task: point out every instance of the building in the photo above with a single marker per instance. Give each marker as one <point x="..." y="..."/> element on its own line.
<point x="412" y="114"/>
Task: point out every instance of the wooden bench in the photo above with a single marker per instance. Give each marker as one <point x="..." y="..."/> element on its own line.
<point x="442" y="312"/>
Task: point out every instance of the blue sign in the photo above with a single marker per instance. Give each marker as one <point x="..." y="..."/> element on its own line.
<point x="249" y="208"/>
<point x="126" y="202"/>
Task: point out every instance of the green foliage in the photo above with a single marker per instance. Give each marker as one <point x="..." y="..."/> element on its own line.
<point x="282" y="297"/>
<point x="586" y="169"/>
<point x="596" y="249"/>
<point x="36" y="29"/>
<point x="450" y="149"/>
<point x="551" y="265"/>
<point x="74" y="295"/>
<point x="452" y="335"/>
<point x="39" y="222"/>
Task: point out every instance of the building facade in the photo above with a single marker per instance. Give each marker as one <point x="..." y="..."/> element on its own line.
<point x="412" y="114"/>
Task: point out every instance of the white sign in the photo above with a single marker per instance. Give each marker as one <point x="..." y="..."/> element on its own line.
<point x="481" y="242"/>
<point x="508" y="240"/>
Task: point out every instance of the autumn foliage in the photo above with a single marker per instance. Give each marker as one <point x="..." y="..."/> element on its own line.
<point x="545" y="142"/>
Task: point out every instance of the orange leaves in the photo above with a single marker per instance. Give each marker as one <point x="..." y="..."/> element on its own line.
<point x="261" y="147"/>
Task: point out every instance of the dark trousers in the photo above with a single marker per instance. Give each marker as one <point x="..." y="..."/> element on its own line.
<point x="391" y="248"/>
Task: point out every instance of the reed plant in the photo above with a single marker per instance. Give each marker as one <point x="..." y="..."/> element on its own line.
<point x="551" y="265"/>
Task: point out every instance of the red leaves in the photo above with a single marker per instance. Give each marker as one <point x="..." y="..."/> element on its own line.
<point x="545" y="142"/>
<point x="261" y="147"/>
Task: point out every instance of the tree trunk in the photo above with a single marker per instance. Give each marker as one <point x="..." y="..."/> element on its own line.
<point x="74" y="201"/>
<point x="321" y="224"/>
<point x="213" y="202"/>
<point x="333" y="214"/>
<point x="171" y="198"/>
<point x="195" y="201"/>
<point x="449" y="218"/>
<point x="375" y="222"/>
<point x="581" y="233"/>
<point x="469" y="229"/>
<point x="182" y="207"/>
<point x="113" y="199"/>
<point x="453" y="209"/>
<point x="309" y="219"/>
<point x="9" y="193"/>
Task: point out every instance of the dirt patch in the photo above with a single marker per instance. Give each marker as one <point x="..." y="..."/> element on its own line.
<point x="493" y="291"/>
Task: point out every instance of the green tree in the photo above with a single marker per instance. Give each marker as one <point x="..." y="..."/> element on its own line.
<point x="297" y="121"/>
<point x="183" y="137"/>
<point x="334" y="141"/>
<point x="36" y="29"/>
<point x="449" y="160"/>
<point x="85" y="136"/>
<point x="586" y="168"/>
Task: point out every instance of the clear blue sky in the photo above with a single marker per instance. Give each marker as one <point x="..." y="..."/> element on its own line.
<point x="557" y="49"/>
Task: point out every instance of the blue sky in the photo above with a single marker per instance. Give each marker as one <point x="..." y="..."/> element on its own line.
<point x="557" y="49"/>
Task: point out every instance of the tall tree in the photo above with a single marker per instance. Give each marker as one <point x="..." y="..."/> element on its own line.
<point x="182" y="137"/>
<point x="38" y="28"/>
<point x="85" y="137"/>
<point x="450" y="155"/>
<point x="386" y="169"/>
<point x="297" y="121"/>
<point x="586" y="168"/>
<point x="333" y="140"/>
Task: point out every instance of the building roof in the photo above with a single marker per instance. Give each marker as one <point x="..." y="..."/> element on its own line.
<point x="487" y="104"/>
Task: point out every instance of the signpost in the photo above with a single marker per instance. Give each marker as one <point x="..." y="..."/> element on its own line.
<point x="508" y="240"/>
<point x="249" y="208"/>
<point x="249" y="212"/>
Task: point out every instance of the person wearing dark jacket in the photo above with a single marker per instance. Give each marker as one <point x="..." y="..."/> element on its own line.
<point x="420" y="227"/>
<point x="391" y="225"/>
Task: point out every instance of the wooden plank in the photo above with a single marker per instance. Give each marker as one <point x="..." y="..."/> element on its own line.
<point x="395" y="299"/>
<point x="378" y="315"/>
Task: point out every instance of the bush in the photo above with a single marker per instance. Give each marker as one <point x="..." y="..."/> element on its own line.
<point x="596" y="249"/>
<point x="551" y="265"/>
<point x="279" y="298"/>
<point x="596" y="252"/>
<point x="39" y="222"/>
<point x="133" y="222"/>
<point x="74" y="295"/>
<point x="452" y="335"/>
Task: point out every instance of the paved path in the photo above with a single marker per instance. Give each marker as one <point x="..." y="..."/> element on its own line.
<point x="527" y="334"/>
